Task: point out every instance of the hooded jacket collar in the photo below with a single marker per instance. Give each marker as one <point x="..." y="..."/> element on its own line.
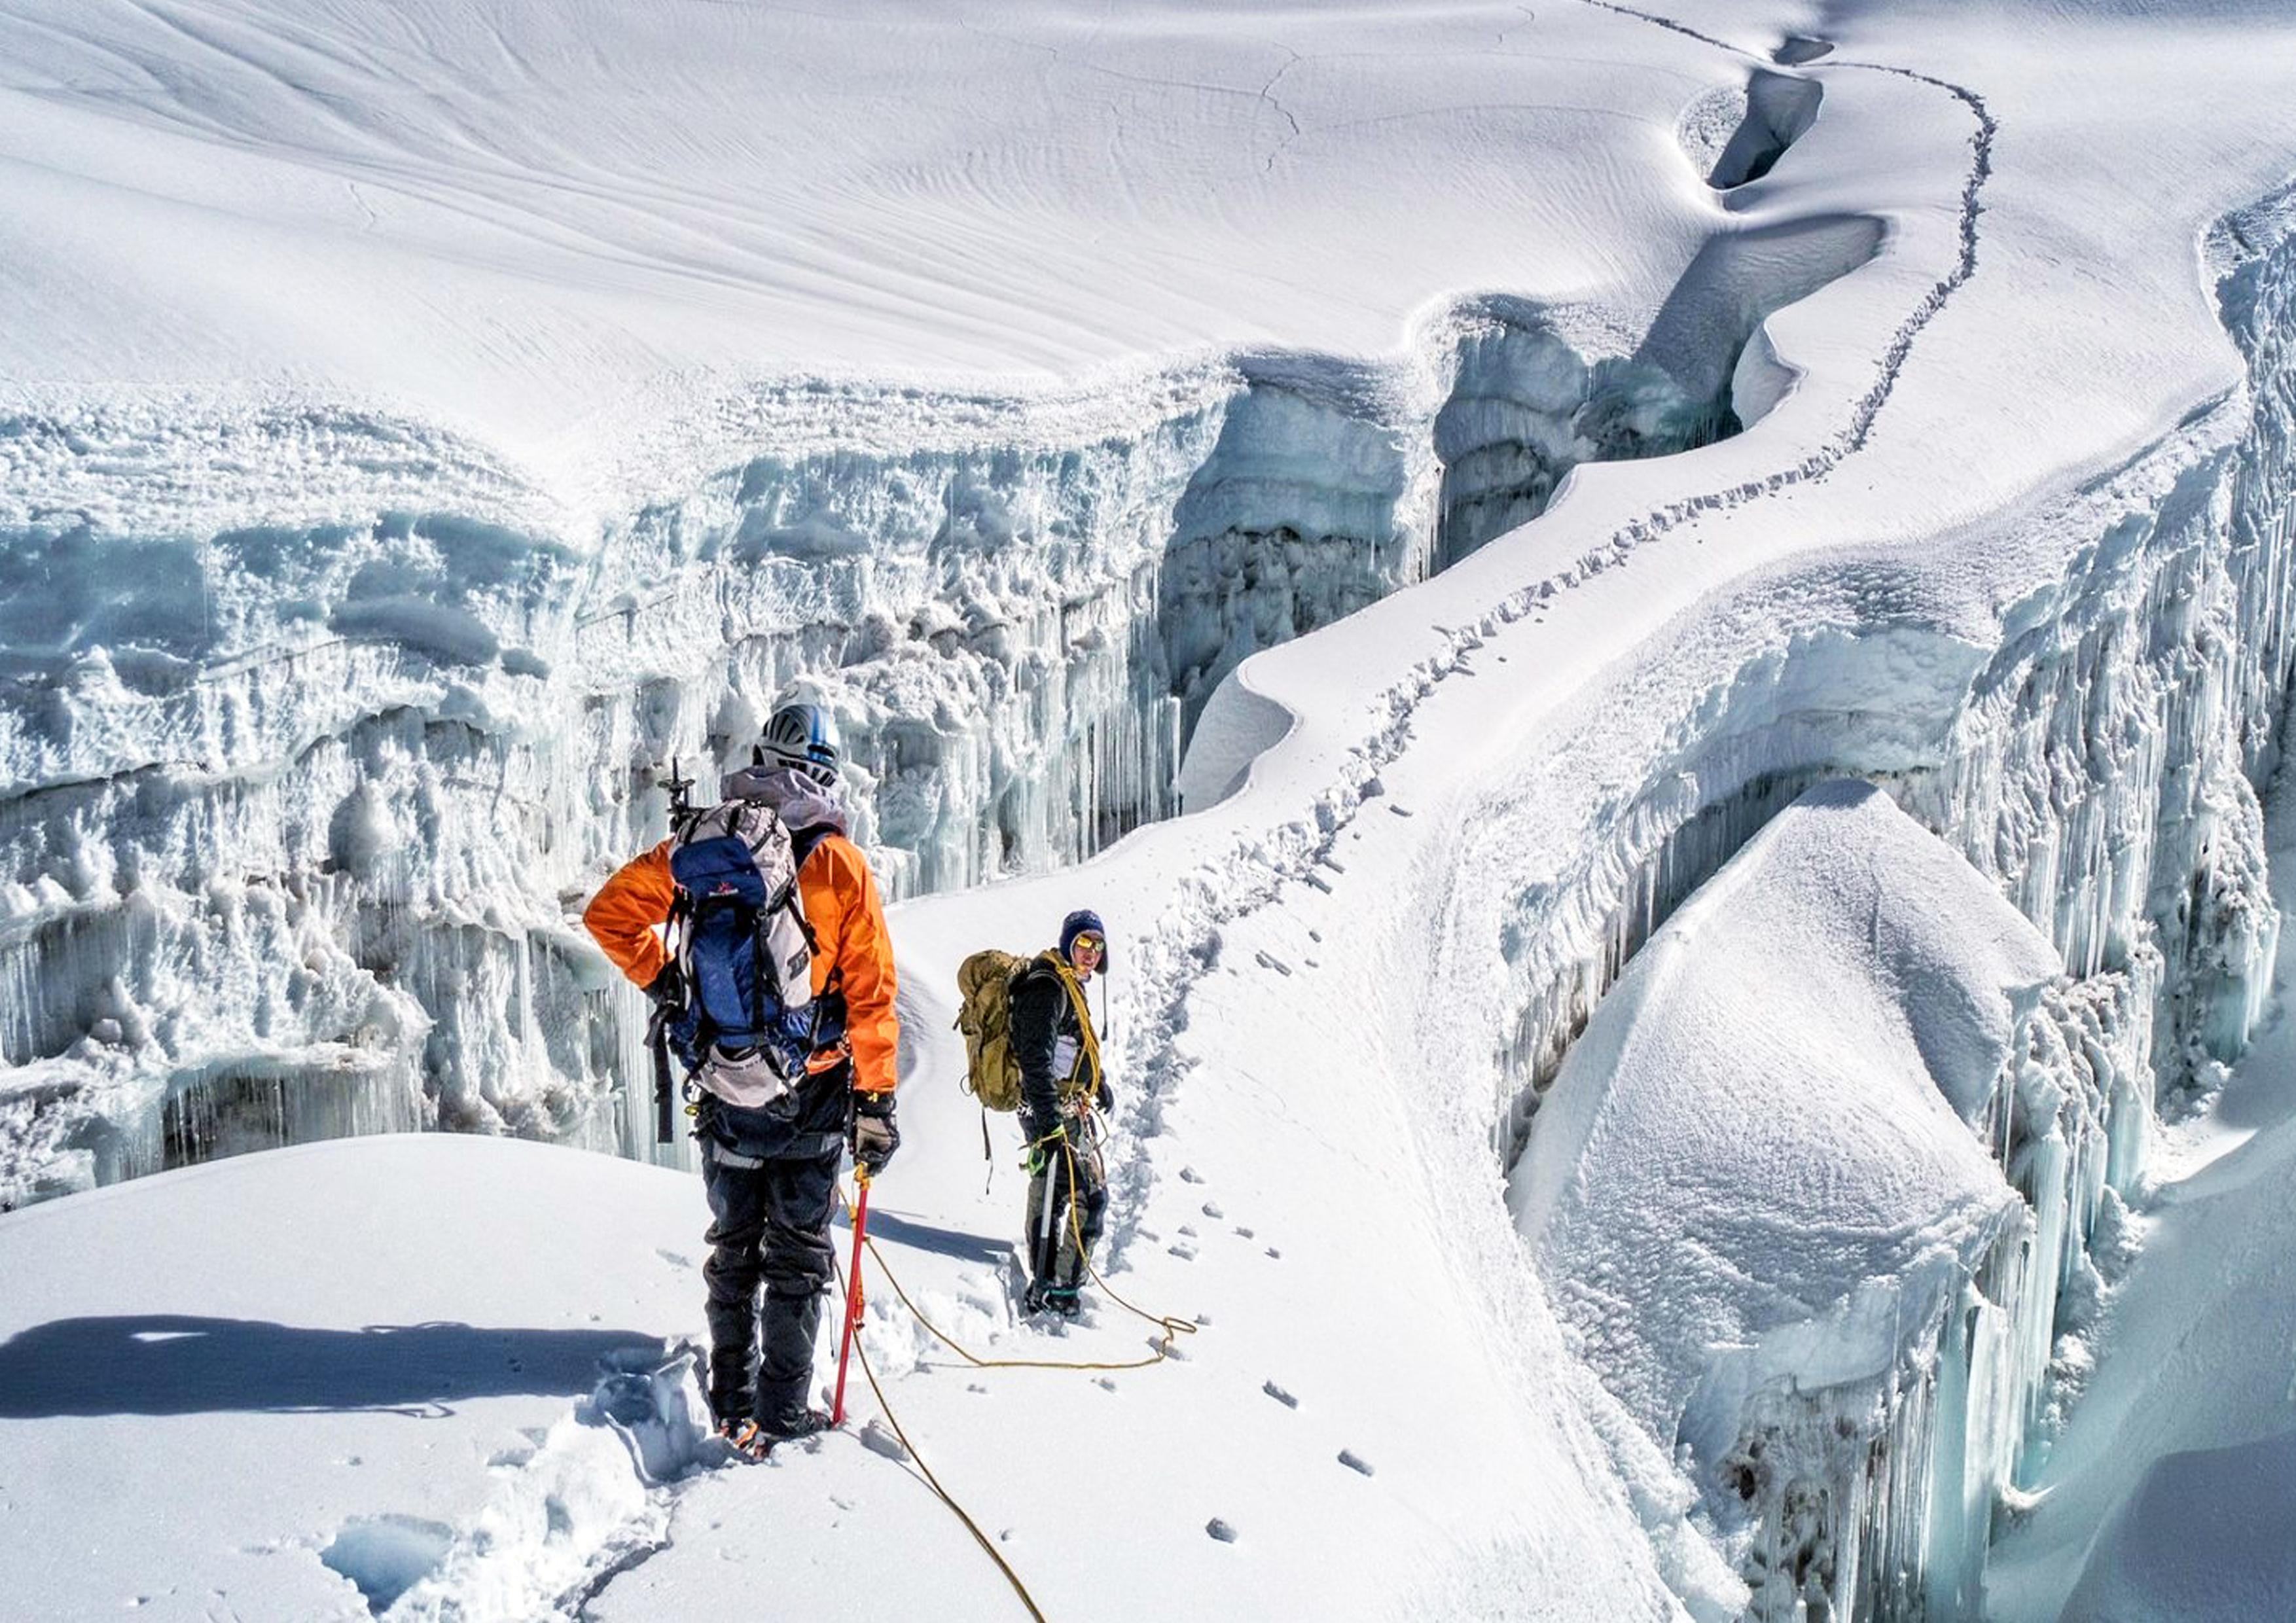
<point x="799" y="801"/>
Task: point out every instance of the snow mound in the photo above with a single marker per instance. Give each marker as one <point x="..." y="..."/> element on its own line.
<point x="1763" y="1178"/>
<point x="1764" y="1127"/>
<point x="2210" y="1533"/>
<point x="573" y="1512"/>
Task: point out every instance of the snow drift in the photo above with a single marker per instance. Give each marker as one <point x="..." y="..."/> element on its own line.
<point x="1768" y="1191"/>
<point x="333" y="685"/>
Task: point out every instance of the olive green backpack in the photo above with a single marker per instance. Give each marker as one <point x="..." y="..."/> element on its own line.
<point x="992" y="1070"/>
<point x="984" y="987"/>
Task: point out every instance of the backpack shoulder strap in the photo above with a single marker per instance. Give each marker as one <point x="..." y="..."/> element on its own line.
<point x="804" y="841"/>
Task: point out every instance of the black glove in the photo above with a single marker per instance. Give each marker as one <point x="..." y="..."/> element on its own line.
<point x="872" y="1132"/>
<point x="1042" y="1138"/>
<point x="1105" y="1099"/>
<point x="667" y="988"/>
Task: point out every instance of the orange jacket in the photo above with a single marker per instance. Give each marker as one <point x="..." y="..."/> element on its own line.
<point x="840" y="897"/>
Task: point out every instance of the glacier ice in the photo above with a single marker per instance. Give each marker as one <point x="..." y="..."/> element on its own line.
<point x="308" y="774"/>
<point x="2097" y="749"/>
<point x="1776" y="1192"/>
<point x="301" y="811"/>
<point x="2095" y="757"/>
<point x="1780" y="109"/>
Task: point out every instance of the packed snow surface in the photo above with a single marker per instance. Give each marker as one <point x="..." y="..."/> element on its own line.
<point x="530" y="394"/>
<point x="1758" y="1165"/>
<point x="2204" y="1534"/>
<point x="252" y="1391"/>
<point x="454" y="1387"/>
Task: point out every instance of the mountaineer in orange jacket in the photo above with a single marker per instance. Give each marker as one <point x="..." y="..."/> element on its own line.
<point x="771" y="1172"/>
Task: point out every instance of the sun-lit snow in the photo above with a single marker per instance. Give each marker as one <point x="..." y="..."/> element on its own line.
<point x="1512" y="453"/>
<point x="1770" y="1191"/>
<point x="530" y="395"/>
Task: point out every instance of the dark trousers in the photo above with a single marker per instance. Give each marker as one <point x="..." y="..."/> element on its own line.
<point x="1078" y="1193"/>
<point x="771" y="1228"/>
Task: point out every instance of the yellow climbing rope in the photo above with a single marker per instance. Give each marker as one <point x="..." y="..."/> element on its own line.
<point x="1170" y="1327"/>
<point x="942" y="1494"/>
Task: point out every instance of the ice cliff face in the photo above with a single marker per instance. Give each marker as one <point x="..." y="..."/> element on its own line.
<point x="1776" y="1188"/>
<point x="2097" y="752"/>
<point x="300" y="813"/>
<point x="2097" y="759"/>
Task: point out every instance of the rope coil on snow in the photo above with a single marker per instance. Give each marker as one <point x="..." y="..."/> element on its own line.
<point x="1169" y="1328"/>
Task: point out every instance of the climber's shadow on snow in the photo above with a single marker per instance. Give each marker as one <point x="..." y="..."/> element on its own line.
<point x="181" y="1363"/>
<point x="897" y="1230"/>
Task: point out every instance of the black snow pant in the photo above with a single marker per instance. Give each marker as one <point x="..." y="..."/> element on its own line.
<point x="1077" y="1187"/>
<point x="771" y="1228"/>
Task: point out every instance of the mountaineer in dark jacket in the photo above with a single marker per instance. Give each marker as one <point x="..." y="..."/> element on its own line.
<point x="1060" y="1085"/>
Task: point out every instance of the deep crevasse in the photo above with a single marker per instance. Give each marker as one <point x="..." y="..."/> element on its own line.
<point x="2100" y="762"/>
<point x="305" y="861"/>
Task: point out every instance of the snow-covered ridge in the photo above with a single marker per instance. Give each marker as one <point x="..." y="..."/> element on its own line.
<point x="1773" y="1192"/>
<point x="391" y="746"/>
<point x="2101" y="760"/>
<point x="1855" y="1391"/>
<point x="1888" y="667"/>
<point x="2100" y="764"/>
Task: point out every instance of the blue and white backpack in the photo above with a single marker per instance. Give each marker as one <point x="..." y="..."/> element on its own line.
<point x="745" y="952"/>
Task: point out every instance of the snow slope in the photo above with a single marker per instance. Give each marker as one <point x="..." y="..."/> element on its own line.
<point x="385" y="1401"/>
<point x="2162" y="1497"/>
<point x="2200" y="1539"/>
<point x="2007" y="531"/>
<point x="1757" y="1178"/>
<point x="507" y="216"/>
<point x="599" y="379"/>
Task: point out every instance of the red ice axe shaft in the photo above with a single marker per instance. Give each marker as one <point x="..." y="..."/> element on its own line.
<point x="852" y="1292"/>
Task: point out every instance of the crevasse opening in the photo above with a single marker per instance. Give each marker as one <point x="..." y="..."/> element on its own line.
<point x="306" y="862"/>
<point x="2100" y="763"/>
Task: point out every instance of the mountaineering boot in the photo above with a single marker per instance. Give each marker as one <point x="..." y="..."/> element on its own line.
<point x="731" y="1405"/>
<point x="743" y="1438"/>
<point x="1064" y="1300"/>
<point x="753" y="1440"/>
<point x="790" y="1425"/>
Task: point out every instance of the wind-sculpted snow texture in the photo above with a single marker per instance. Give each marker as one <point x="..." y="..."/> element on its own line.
<point x="352" y="620"/>
<point x="1769" y="1188"/>
<point x="323" y="714"/>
